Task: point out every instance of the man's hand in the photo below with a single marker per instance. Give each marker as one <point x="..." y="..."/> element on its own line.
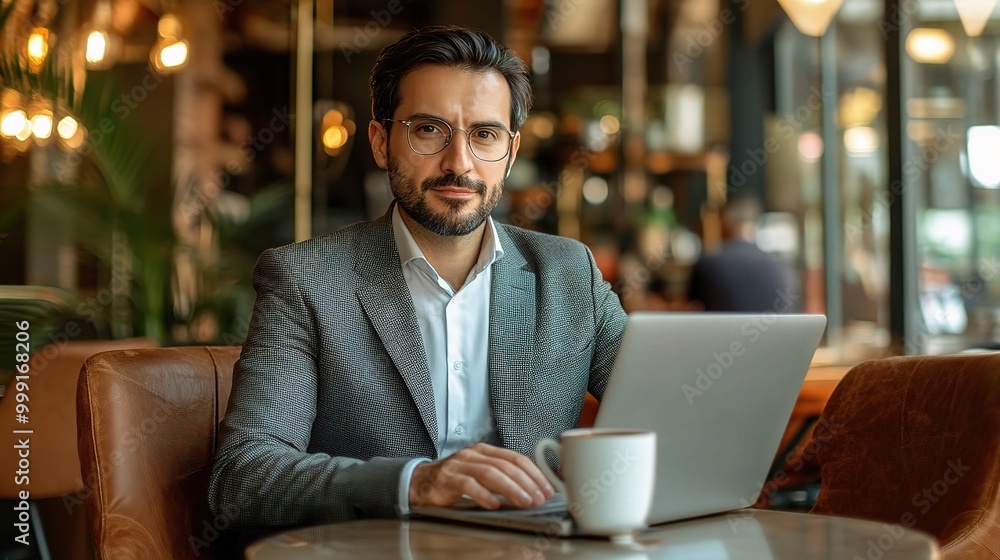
<point x="482" y="472"/>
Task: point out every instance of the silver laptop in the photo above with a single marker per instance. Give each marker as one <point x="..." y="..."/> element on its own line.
<point x="718" y="390"/>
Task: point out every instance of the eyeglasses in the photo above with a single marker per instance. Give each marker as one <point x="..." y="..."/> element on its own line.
<point x="428" y="136"/>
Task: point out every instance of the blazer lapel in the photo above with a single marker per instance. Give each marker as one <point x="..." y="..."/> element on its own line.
<point x="386" y="300"/>
<point x="512" y="343"/>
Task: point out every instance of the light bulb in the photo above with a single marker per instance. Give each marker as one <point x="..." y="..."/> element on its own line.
<point x="335" y="137"/>
<point x="13" y="123"/>
<point x="67" y="127"/>
<point x="97" y="47"/>
<point x="41" y="125"/>
<point x="170" y="57"/>
<point x="38" y="47"/>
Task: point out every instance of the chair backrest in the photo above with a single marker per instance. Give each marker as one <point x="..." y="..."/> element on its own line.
<point x="916" y="441"/>
<point x="52" y="378"/>
<point x="147" y="429"/>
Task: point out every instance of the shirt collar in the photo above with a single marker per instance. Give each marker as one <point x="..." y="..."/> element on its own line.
<point x="408" y="250"/>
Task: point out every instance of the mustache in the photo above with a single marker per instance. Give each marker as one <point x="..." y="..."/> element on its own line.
<point x="450" y="180"/>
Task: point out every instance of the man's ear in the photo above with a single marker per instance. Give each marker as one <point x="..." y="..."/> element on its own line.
<point x="515" y="144"/>
<point x="378" y="137"/>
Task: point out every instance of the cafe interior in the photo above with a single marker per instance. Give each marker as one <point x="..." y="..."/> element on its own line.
<point x="151" y="150"/>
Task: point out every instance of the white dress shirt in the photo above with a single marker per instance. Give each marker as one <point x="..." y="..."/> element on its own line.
<point x="454" y="326"/>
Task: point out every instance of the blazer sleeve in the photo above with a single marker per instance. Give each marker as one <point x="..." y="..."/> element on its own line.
<point x="263" y="474"/>
<point x="609" y="326"/>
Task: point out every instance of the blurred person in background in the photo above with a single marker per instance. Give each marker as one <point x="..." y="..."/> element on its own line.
<point x="739" y="277"/>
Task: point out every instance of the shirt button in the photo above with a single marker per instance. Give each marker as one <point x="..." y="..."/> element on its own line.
<point x="458" y="365"/>
<point x="459" y="429"/>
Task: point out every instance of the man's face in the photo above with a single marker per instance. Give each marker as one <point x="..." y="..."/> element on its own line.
<point x="451" y="192"/>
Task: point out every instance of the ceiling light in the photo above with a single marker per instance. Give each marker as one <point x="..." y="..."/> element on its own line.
<point x="974" y="15"/>
<point x="41" y="125"/>
<point x="930" y="46"/>
<point x="811" y="17"/>
<point x="38" y="47"/>
<point x="67" y="127"/>
<point x="171" y="51"/>
<point x="13" y="122"/>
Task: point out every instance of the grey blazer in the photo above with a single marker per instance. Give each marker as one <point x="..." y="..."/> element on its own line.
<point x="332" y="394"/>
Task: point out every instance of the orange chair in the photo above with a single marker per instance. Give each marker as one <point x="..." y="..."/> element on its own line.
<point x="916" y="441"/>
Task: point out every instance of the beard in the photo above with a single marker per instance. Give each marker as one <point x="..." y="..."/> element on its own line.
<point x="452" y="222"/>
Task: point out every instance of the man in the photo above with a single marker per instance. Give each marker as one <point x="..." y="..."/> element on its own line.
<point x="739" y="277"/>
<point x="418" y="357"/>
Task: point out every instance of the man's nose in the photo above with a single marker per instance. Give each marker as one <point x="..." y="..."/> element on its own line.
<point x="457" y="157"/>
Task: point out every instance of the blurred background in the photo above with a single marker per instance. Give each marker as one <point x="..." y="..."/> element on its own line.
<point x="151" y="149"/>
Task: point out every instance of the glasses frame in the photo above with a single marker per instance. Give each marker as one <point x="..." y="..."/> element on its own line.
<point x="451" y="134"/>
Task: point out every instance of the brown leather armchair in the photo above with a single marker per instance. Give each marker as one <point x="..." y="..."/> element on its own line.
<point x="55" y="465"/>
<point x="916" y="441"/>
<point x="147" y="429"/>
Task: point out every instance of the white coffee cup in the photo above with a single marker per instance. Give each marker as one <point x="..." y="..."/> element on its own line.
<point x="609" y="476"/>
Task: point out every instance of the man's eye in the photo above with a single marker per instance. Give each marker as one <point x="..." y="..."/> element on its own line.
<point x="487" y="134"/>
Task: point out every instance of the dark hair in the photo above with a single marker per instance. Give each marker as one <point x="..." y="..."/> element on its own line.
<point x="458" y="47"/>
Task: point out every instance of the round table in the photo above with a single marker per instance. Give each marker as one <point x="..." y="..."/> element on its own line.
<point x="755" y="534"/>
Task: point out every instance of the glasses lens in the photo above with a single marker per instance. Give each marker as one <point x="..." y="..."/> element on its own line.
<point x="489" y="143"/>
<point x="427" y="136"/>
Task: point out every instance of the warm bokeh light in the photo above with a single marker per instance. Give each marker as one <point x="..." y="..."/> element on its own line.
<point x="67" y="127"/>
<point x="335" y="137"/>
<point x="174" y="55"/>
<point x="97" y="47"/>
<point x="76" y="140"/>
<point x="930" y="46"/>
<point x="41" y="125"/>
<point x="333" y="117"/>
<point x="543" y="126"/>
<point x="13" y="122"/>
<point x="25" y="131"/>
<point x="38" y="47"/>
<point x="610" y="124"/>
<point x="169" y="26"/>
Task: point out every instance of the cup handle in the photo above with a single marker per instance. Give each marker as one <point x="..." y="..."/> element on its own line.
<point x="552" y="444"/>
